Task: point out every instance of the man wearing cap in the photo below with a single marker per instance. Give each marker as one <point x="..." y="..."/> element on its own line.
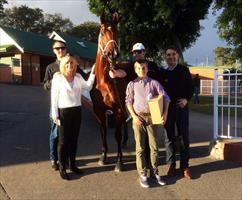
<point x="138" y="52"/>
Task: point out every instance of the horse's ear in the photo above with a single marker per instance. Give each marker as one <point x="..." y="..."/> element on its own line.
<point x="102" y="18"/>
<point x="115" y="18"/>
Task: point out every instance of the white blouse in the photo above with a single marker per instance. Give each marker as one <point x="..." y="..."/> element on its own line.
<point x="65" y="96"/>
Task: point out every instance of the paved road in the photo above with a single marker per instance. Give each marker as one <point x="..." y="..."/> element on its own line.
<point x="25" y="171"/>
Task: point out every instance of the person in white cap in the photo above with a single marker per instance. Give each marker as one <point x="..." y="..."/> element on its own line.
<point x="138" y="51"/>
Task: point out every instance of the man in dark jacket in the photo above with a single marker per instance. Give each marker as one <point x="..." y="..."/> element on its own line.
<point x="178" y="84"/>
<point x="138" y="51"/>
<point x="60" y="50"/>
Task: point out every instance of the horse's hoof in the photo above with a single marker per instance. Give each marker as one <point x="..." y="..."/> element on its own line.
<point x="102" y="161"/>
<point x="118" y="167"/>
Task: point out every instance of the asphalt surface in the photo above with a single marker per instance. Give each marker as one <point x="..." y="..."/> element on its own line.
<point x="25" y="171"/>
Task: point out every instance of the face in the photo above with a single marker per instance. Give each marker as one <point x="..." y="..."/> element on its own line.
<point x="59" y="50"/>
<point x="70" y="66"/>
<point x="171" y="57"/>
<point x="139" y="54"/>
<point x="141" y="70"/>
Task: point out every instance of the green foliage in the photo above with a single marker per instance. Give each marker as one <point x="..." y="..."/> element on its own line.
<point x="156" y="23"/>
<point x="86" y="30"/>
<point x="33" y="20"/>
<point x="229" y="23"/>
<point x="2" y="2"/>
<point x="56" y="22"/>
<point x="224" y="56"/>
<point x="23" y="18"/>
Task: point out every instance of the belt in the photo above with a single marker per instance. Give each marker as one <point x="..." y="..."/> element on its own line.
<point x="144" y="114"/>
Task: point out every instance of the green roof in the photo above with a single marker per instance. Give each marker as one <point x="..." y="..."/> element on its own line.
<point x="30" y="42"/>
<point x="38" y="44"/>
<point x="81" y="47"/>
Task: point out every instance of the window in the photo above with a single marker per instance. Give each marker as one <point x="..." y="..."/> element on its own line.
<point x="15" y="62"/>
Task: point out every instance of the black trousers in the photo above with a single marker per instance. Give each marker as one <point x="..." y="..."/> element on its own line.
<point x="68" y="134"/>
<point x="177" y="118"/>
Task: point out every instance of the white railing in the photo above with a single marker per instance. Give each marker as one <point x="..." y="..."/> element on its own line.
<point x="207" y="87"/>
<point x="226" y="93"/>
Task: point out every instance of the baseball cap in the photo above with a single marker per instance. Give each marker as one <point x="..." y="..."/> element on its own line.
<point x="138" y="46"/>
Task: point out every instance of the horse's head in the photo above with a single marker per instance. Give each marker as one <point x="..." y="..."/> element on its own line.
<point x="107" y="40"/>
<point x="106" y="57"/>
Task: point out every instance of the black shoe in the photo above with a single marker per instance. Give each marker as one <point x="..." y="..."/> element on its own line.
<point x="75" y="169"/>
<point x="64" y="175"/>
<point x="54" y="165"/>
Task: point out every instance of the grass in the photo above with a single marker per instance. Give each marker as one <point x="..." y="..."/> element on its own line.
<point x="206" y="106"/>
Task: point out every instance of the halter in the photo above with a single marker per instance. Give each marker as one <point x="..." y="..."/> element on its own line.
<point x="103" y="49"/>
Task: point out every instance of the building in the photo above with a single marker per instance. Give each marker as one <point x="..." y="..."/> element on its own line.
<point x="24" y="55"/>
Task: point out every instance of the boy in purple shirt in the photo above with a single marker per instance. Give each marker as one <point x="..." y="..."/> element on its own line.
<point x="138" y="92"/>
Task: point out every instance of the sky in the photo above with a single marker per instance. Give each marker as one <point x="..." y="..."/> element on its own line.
<point x="201" y="52"/>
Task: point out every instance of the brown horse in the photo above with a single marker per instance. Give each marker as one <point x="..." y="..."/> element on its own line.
<point x="109" y="94"/>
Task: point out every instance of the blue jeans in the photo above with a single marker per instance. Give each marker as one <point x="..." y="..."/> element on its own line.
<point x="53" y="140"/>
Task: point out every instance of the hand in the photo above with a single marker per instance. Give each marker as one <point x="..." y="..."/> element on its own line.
<point x="93" y="69"/>
<point x="112" y="73"/>
<point x="138" y="120"/>
<point x="163" y="119"/>
<point x="182" y="103"/>
<point x="57" y="121"/>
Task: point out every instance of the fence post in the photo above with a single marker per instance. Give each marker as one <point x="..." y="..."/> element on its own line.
<point x="215" y="105"/>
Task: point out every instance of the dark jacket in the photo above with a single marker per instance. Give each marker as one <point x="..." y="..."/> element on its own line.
<point x="177" y="83"/>
<point x="51" y="69"/>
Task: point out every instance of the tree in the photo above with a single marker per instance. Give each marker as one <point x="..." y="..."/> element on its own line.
<point x="33" y="20"/>
<point x="23" y="18"/>
<point x="223" y="56"/>
<point x="86" y="30"/>
<point x="229" y="23"/>
<point x="156" y="23"/>
<point x="2" y="2"/>
<point x="56" y="22"/>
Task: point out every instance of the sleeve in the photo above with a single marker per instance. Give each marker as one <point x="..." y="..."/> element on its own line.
<point x="89" y="83"/>
<point x="47" y="79"/>
<point x="54" y="97"/>
<point x="189" y="84"/>
<point x="130" y="94"/>
<point x="161" y="91"/>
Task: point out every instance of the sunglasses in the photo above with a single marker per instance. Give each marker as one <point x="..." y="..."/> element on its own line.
<point x="60" y="48"/>
<point x="137" y="52"/>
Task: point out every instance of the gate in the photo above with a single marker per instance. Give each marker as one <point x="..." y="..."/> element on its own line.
<point x="227" y="105"/>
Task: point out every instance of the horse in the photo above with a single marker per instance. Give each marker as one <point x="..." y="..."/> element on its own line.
<point x="107" y="93"/>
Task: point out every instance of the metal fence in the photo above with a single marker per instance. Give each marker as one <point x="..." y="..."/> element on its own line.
<point x="227" y="89"/>
<point x="224" y="87"/>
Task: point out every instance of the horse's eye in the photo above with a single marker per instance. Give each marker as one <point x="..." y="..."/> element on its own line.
<point x="110" y="28"/>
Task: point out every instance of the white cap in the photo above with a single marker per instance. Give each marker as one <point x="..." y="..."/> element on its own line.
<point x="138" y="46"/>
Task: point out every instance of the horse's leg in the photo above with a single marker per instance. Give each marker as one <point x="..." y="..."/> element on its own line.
<point x="103" y="157"/>
<point x="125" y="134"/>
<point x="118" y="136"/>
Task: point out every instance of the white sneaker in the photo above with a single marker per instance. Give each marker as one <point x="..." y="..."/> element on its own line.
<point x="143" y="180"/>
<point x="159" y="181"/>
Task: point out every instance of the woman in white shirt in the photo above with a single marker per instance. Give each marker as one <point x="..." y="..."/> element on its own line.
<point x="66" y="91"/>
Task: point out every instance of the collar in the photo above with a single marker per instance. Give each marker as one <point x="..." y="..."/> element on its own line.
<point x="145" y="80"/>
<point x="169" y="68"/>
